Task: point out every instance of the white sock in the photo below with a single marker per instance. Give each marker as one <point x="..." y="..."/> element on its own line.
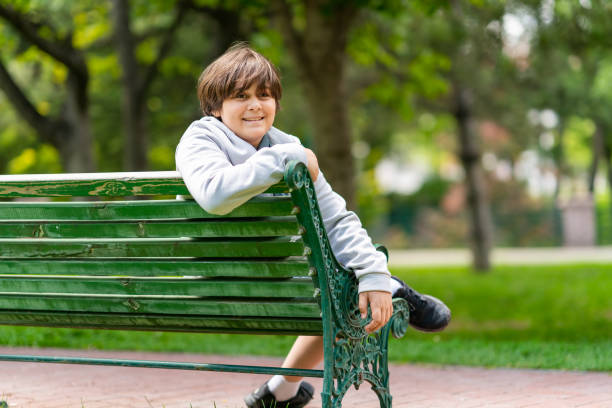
<point x="395" y="285"/>
<point x="283" y="389"/>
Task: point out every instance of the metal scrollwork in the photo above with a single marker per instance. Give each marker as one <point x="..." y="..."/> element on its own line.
<point x="297" y="179"/>
<point x="356" y="356"/>
<point x="399" y="320"/>
<point x="342" y="284"/>
<point x="111" y="188"/>
<point x="359" y="360"/>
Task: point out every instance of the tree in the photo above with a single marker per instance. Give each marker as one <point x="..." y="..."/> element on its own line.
<point x="572" y="65"/>
<point x="316" y="34"/>
<point x="458" y="35"/>
<point x="70" y="130"/>
<point x="136" y="81"/>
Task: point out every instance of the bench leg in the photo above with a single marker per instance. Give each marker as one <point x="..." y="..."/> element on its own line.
<point x="351" y="361"/>
<point x="359" y="360"/>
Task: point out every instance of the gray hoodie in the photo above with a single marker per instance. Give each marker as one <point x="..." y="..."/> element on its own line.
<point x="222" y="171"/>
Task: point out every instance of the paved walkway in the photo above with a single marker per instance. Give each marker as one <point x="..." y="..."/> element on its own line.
<point x="73" y="386"/>
<point x="501" y="256"/>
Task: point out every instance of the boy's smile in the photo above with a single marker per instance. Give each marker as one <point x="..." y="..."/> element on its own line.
<point x="249" y="113"/>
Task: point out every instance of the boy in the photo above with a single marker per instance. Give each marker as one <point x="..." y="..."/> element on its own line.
<point x="234" y="153"/>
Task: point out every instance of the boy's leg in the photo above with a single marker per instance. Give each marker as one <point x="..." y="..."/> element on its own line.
<point x="306" y="352"/>
<point x="427" y="313"/>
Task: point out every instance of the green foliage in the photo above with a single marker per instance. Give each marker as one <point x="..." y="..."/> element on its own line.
<point x="577" y="139"/>
<point x="603" y="217"/>
<point x="270" y="43"/>
<point x="162" y="158"/>
<point x="41" y="160"/>
<point x="364" y="47"/>
<point x="405" y="210"/>
<point x="372" y="205"/>
<point x="519" y="316"/>
<point x="435" y="216"/>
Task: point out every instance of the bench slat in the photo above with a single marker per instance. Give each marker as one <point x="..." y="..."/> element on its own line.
<point x="99" y="184"/>
<point x="157" y="267"/>
<point x="149" y="247"/>
<point x="303" y="307"/>
<point x="200" y="324"/>
<point x="152" y="229"/>
<point x="137" y="210"/>
<point x="297" y="287"/>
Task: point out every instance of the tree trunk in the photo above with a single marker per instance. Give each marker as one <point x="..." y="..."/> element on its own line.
<point x="559" y="158"/>
<point x="481" y="229"/>
<point x="606" y="140"/>
<point x="70" y="133"/>
<point x="319" y="54"/>
<point x="597" y="152"/>
<point x="230" y="29"/>
<point x="133" y="112"/>
<point x="77" y="145"/>
<point x="332" y="134"/>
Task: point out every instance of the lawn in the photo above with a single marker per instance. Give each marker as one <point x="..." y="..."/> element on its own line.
<point x="514" y="316"/>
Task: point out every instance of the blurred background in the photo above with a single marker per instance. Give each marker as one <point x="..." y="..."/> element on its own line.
<point x="469" y="124"/>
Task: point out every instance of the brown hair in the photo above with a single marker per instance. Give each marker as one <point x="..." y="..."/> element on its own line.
<point x="233" y="72"/>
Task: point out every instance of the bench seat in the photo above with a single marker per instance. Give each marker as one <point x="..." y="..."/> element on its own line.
<point x="113" y="251"/>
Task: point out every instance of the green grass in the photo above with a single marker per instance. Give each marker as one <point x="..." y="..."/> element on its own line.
<point x="523" y="316"/>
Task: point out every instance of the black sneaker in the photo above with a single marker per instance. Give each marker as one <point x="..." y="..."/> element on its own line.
<point x="263" y="397"/>
<point x="427" y="313"/>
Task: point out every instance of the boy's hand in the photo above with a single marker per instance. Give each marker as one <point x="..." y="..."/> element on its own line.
<point x="313" y="164"/>
<point x="381" y="306"/>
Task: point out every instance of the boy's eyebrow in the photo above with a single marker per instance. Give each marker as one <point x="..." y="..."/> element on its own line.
<point x="239" y="89"/>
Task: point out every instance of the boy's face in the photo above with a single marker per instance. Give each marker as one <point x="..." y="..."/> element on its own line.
<point x="249" y="114"/>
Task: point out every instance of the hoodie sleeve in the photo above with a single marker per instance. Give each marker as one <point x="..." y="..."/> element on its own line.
<point x="216" y="184"/>
<point x="219" y="186"/>
<point x="350" y="242"/>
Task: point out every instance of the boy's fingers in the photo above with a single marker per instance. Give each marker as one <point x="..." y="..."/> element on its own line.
<point x="377" y="314"/>
<point x="371" y="328"/>
<point x="363" y="304"/>
<point x="381" y="307"/>
<point x="375" y="324"/>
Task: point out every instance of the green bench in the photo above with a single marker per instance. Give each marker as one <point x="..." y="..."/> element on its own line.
<point x="152" y="262"/>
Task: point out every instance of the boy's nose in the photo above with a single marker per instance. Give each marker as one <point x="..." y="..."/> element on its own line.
<point x="254" y="103"/>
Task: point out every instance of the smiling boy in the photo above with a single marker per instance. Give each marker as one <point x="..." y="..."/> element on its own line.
<point x="234" y="153"/>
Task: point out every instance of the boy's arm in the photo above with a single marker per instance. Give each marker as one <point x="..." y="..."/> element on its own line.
<point x="350" y="242"/>
<point x="217" y="185"/>
<point x="353" y="248"/>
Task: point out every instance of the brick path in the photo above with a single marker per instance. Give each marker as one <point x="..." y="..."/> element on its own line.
<point x="60" y="386"/>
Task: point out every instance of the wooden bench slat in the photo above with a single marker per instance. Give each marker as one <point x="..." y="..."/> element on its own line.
<point x="288" y="288"/>
<point x="137" y="210"/>
<point x="152" y="229"/>
<point x="149" y="247"/>
<point x="157" y="267"/>
<point x="99" y="184"/>
<point x="200" y="324"/>
<point x="301" y="307"/>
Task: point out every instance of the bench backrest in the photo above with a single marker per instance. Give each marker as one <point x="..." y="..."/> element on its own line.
<point x="147" y="263"/>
